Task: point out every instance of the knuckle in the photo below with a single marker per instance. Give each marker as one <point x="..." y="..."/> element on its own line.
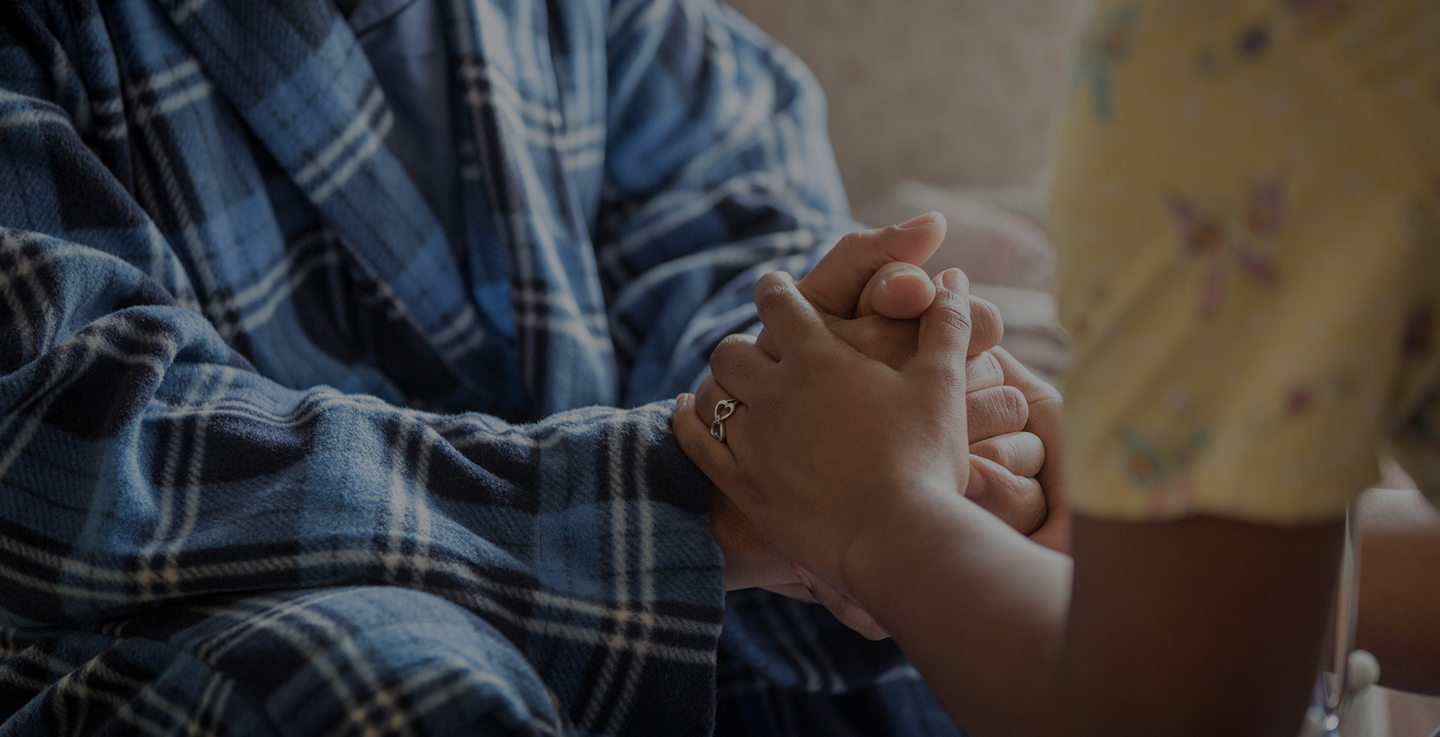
<point x="773" y="295"/>
<point x="1013" y="403"/>
<point x="985" y="317"/>
<point x="731" y="343"/>
<point x="991" y="451"/>
<point x="1005" y="455"/>
<point x="1019" y="502"/>
<point x="705" y="391"/>
<point x="983" y="372"/>
<point x="859" y="238"/>
<point x="723" y="355"/>
<point x="954" y="311"/>
<point x="768" y="282"/>
<point x="1033" y="511"/>
<point x="985" y="403"/>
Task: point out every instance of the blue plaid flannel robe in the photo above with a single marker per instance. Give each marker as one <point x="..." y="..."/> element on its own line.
<point x="264" y="465"/>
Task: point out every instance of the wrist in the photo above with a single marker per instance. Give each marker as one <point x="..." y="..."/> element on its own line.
<point x="896" y="539"/>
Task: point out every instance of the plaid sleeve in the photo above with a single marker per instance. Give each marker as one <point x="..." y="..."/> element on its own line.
<point x="145" y="463"/>
<point x="718" y="169"/>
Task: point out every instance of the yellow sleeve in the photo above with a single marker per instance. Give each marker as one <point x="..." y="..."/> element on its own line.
<point x="1245" y="240"/>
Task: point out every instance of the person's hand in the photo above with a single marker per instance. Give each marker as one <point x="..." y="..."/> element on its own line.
<point x="882" y="266"/>
<point x="826" y="442"/>
<point x="989" y="462"/>
<point x="869" y="289"/>
<point x="1007" y="467"/>
<point x="871" y="301"/>
<point x="1046" y="408"/>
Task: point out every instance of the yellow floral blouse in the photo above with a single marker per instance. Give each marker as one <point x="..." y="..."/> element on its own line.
<point x="1247" y="209"/>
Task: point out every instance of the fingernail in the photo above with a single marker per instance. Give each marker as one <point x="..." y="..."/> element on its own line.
<point x="805" y="580"/>
<point x="677" y="402"/>
<point x="897" y="275"/>
<point x="918" y="221"/>
<point x="951" y="279"/>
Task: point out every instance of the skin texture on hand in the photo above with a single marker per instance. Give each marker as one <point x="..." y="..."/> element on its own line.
<point x="884" y="325"/>
<point x="918" y="449"/>
<point x="870" y="299"/>
<point x="881" y="324"/>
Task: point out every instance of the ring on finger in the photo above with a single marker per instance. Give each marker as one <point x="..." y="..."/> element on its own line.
<point x="723" y="409"/>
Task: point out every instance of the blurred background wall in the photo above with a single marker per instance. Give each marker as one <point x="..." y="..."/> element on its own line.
<point x="948" y="92"/>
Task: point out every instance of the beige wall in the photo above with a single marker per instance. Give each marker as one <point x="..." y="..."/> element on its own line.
<point x="943" y="91"/>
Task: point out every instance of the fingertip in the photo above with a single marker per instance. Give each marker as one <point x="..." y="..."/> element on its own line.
<point x="954" y="280"/>
<point x="903" y="292"/>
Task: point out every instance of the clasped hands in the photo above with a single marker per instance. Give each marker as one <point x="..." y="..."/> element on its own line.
<point x="870" y="293"/>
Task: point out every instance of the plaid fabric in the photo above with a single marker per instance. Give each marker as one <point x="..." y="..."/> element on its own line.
<point x="788" y="669"/>
<point x="264" y="460"/>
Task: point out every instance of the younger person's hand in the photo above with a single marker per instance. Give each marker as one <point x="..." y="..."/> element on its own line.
<point x="828" y="445"/>
<point x="881" y="266"/>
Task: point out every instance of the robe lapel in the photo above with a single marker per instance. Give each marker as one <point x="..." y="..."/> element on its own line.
<point x="298" y="77"/>
<point x="521" y="191"/>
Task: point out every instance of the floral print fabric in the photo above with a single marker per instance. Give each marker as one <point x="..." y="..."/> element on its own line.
<point x="1247" y="209"/>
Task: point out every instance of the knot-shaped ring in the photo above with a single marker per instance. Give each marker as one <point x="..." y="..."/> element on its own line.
<point x="723" y="409"/>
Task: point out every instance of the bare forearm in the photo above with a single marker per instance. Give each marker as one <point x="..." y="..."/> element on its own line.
<point x="979" y="609"/>
<point x="1399" y="599"/>
<point x="1156" y="625"/>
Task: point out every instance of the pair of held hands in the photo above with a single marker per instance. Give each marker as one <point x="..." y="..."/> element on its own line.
<point x="869" y="378"/>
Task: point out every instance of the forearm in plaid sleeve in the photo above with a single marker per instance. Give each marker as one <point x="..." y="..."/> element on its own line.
<point x="144" y="462"/>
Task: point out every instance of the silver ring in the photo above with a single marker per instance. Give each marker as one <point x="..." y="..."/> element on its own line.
<point x="723" y="409"/>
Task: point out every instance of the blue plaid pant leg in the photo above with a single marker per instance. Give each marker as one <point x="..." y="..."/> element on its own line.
<point x="343" y="661"/>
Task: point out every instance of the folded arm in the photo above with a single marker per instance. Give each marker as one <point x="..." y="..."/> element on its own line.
<point x="147" y="462"/>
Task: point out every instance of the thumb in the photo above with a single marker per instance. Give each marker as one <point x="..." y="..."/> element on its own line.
<point x="835" y="284"/>
<point x="898" y="290"/>
<point x="945" y="331"/>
